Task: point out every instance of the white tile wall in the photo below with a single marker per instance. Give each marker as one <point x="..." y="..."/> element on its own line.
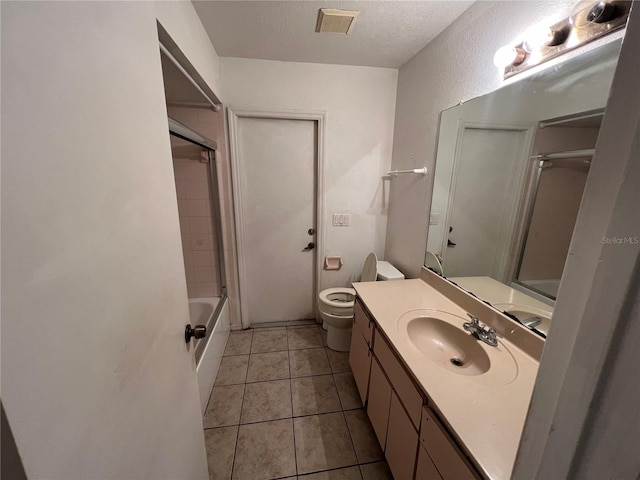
<point x="196" y="224"/>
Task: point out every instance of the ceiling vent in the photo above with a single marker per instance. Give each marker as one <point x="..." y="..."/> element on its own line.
<point x="335" y="21"/>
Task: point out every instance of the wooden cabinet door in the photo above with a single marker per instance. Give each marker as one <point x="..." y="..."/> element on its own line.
<point x="360" y="361"/>
<point x="402" y="442"/>
<point x="450" y="462"/>
<point x="400" y="380"/>
<point x="426" y="470"/>
<point x="379" y="401"/>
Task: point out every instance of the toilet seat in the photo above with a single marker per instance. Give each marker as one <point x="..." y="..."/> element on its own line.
<point x="337" y="301"/>
<point x="370" y="269"/>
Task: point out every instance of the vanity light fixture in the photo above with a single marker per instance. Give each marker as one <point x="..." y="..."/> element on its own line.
<point x="507" y="56"/>
<point x="586" y="12"/>
<point x="589" y="20"/>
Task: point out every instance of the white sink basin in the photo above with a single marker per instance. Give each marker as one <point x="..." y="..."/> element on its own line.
<point x="440" y="338"/>
<point x="449" y="345"/>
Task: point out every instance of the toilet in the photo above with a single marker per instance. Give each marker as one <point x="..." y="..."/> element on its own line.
<point x="336" y="304"/>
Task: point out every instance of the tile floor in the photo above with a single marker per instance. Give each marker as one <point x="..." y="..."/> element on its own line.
<point x="285" y="406"/>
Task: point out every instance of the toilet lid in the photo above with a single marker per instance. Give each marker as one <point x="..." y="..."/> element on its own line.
<point x="370" y="269"/>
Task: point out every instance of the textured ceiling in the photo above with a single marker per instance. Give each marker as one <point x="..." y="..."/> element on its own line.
<point x="386" y="33"/>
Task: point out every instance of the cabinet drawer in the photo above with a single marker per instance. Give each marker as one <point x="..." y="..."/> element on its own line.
<point x="360" y="362"/>
<point x="446" y="456"/>
<point x="402" y="442"/>
<point x="363" y="320"/>
<point x="400" y="380"/>
<point x="426" y="470"/>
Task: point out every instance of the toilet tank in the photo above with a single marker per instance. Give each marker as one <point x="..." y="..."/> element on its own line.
<point x="386" y="271"/>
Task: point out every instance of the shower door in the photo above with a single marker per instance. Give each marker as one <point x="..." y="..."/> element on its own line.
<point x="556" y="202"/>
<point x="200" y="219"/>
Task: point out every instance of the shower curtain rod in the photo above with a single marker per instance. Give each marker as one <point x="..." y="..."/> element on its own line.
<point x="567" y="154"/>
<point x="184" y="132"/>
<point x="417" y="171"/>
<point x="572" y="118"/>
<point x="164" y="50"/>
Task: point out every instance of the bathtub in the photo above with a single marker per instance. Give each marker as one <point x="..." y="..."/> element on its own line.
<point x="214" y="313"/>
<point x="548" y="286"/>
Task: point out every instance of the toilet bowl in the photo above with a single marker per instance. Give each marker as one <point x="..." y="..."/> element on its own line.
<point x="336" y="304"/>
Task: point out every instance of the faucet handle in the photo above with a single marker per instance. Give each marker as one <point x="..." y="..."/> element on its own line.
<point x="490" y="337"/>
<point x="474" y="320"/>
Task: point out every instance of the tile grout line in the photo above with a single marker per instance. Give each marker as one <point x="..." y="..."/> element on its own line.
<point x="315" y="472"/>
<point x="285" y="418"/>
<point x="353" y="445"/>
<point x="244" y="390"/>
<point x="235" y="449"/>
<point x="293" y="425"/>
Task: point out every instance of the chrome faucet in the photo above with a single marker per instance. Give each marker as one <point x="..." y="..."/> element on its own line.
<point x="480" y="331"/>
<point x="532" y="321"/>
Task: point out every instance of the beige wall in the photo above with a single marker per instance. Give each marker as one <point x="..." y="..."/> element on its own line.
<point x="457" y="65"/>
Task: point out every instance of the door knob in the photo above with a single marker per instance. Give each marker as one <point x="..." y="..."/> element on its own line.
<point x="311" y="246"/>
<point x="199" y="331"/>
<point x="311" y="231"/>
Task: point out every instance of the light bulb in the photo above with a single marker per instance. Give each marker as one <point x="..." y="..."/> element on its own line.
<point x="508" y="55"/>
<point x="543" y="37"/>
<point x="536" y="39"/>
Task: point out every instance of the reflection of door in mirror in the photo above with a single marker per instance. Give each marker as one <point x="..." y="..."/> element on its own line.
<point x="563" y="151"/>
<point x="489" y="170"/>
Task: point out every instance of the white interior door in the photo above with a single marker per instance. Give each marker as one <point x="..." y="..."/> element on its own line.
<point x="97" y="381"/>
<point x="276" y="170"/>
<point x="484" y="201"/>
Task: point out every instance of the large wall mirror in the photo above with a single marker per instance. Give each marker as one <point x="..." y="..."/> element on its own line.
<point x="510" y="171"/>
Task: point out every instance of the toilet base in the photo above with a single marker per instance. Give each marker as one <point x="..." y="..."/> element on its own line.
<point x="338" y="331"/>
<point x="339" y="339"/>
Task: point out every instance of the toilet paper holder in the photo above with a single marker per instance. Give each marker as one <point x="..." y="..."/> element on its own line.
<point x="333" y="262"/>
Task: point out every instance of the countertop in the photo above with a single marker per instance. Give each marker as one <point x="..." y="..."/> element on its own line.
<point x="498" y="293"/>
<point x="487" y="420"/>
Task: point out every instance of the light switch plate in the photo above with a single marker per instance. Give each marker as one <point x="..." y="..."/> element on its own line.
<point x="341" y="219"/>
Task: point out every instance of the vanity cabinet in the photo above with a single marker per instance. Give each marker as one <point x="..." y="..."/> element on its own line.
<point x="416" y="445"/>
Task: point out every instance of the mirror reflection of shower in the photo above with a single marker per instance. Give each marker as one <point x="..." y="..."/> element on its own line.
<point x="563" y="150"/>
